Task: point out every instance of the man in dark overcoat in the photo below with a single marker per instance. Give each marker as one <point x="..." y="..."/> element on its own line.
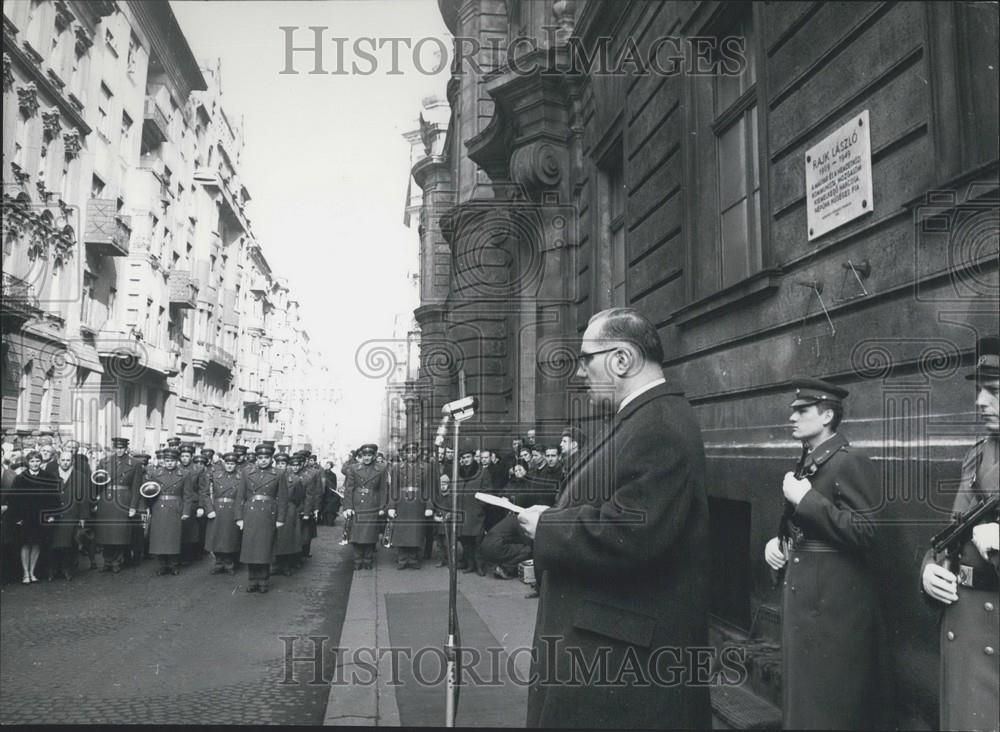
<point x="313" y="503"/>
<point x="833" y="651"/>
<point x="968" y="595"/>
<point x="624" y="572"/>
<point x="366" y="491"/>
<point x="169" y="510"/>
<point x="260" y="511"/>
<point x="288" y="542"/>
<point x="222" y="536"/>
<point x="191" y="539"/>
<point x="74" y="509"/>
<point x="473" y="477"/>
<point x="411" y="504"/>
<point x="117" y="504"/>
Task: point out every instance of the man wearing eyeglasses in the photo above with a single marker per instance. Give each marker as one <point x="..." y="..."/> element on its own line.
<point x="620" y="556"/>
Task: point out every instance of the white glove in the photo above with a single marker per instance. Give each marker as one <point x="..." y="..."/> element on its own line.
<point x="200" y="512"/>
<point x="774" y="555"/>
<point x="131" y="512"/>
<point x="185" y="517"/>
<point x="392" y="513"/>
<point x="3" y="509"/>
<point x="381" y="513"/>
<point x="279" y="524"/>
<point x="211" y="514"/>
<point x="986" y="537"/>
<point x="82" y="523"/>
<point x="438" y="518"/>
<point x="795" y="488"/>
<point x="348" y="512"/>
<point x="240" y="524"/>
<point x="939" y="583"/>
<point x="428" y="513"/>
<point x="50" y="519"/>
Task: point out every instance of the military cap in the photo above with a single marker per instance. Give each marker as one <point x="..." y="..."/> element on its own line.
<point x="230" y="457"/>
<point x="809" y="391"/>
<point x="263" y="449"/>
<point x="142" y="456"/>
<point x="44" y="440"/>
<point x="208" y="452"/>
<point x="173" y="441"/>
<point x="281" y="457"/>
<point x="119" y="442"/>
<point x="199" y="459"/>
<point x="240" y="449"/>
<point x="158" y="451"/>
<point x="296" y="459"/>
<point x="368" y="447"/>
<point x="186" y="447"/>
<point x="171" y="452"/>
<point x="988" y="364"/>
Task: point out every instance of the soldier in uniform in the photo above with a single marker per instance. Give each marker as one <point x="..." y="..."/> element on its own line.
<point x="365" y="492"/>
<point x="139" y="544"/>
<point x="169" y="511"/>
<point x="222" y="537"/>
<point x="117" y="504"/>
<point x="260" y="511"/>
<point x="832" y="651"/>
<point x="246" y="463"/>
<point x="969" y="600"/>
<point x="410" y="505"/>
<point x="190" y="540"/>
<point x="472" y="479"/>
<point x="281" y="460"/>
<point x="313" y="502"/>
<point x="288" y="545"/>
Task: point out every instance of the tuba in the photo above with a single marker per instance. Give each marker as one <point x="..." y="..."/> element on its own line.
<point x="387" y="533"/>
<point x="100" y="477"/>
<point x="150" y="489"/>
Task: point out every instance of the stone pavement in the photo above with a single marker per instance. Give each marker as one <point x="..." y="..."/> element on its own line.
<point x="191" y="649"/>
<point x="392" y="608"/>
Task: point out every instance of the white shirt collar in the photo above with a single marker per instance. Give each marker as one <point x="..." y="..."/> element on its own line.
<point x="639" y="392"/>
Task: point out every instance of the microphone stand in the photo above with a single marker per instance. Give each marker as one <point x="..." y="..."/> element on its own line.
<point x="452" y="646"/>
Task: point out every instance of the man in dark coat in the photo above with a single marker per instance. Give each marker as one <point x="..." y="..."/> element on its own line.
<point x="366" y="491"/>
<point x="74" y="510"/>
<point x="622" y="554"/>
<point x="191" y="539"/>
<point x="288" y="542"/>
<point x="169" y="511"/>
<point x="833" y="653"/>
<point x="222" y="536"/>
<point x="260" y="512"/>
<point x="968" y="595"/>
<point x="410" y="505"/>
<point x="118" y="504"/>
<point x="313" y="503"/>
<point x="473" y="478"/>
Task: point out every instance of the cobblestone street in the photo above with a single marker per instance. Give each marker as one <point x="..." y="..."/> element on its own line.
<point x="191" y="649"/>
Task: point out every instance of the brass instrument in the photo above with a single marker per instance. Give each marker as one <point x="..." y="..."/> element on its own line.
<point x="100" y="477"/>
<point x="150" y="489"/>
<point x="348" y="523"/>
<point x="387" y="533"/>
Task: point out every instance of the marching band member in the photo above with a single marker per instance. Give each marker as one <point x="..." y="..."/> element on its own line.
<point x="222" y="535"/>
<point x="260" y="510"/>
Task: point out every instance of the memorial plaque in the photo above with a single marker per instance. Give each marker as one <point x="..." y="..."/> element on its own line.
<point x="839" y="177"/>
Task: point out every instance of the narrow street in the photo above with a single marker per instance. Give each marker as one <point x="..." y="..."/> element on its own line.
<point x="190" y="649"/>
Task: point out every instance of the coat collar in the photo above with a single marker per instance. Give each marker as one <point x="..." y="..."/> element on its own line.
<point x="660" y="390"/>
<point x="826" y="450"/>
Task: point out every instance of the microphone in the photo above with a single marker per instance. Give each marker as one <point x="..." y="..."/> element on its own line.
<point x="461" y="409"/>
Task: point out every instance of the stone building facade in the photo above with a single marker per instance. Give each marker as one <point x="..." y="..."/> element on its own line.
<point x="668" y="181"/>
<point x="137" y="300"/>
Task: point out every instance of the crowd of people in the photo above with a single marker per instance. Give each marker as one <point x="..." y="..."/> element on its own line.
<point x="62" y="502"/>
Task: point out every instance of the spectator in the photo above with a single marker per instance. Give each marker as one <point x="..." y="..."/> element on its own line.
<point x="75" y="491"/>
<point x="34" y="497"/>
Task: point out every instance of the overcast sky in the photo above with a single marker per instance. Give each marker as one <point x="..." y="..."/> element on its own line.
<point x="325" y="161"/>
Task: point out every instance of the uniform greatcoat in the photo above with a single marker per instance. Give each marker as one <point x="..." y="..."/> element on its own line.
<point x="113" y="527"/>
<point x="969" y="673"/>
<point x="624" y="572"/>
<point x="313" y="502"/>
<point x="74" y="507"/>
<point x="365" y="492"/>
<point x="833" y="651"/>
<point x="191" y="531"/>
<point x="262" y="501"/>
<point x="222" y="535"/>
<point x="289" y="539"/>
<point x="176" y="499"/>
<point x="410" y="495"/>
<point x="472" y="511"/>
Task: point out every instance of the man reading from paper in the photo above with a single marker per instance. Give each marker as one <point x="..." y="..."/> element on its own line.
<point x="621" y="555"/>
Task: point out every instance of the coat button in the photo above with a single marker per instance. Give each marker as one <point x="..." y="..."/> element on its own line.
<point x="951" y="636"/>
<point x="796" y="560"/>
<point x="988" y="607"/>
<point x="989" y="650"/>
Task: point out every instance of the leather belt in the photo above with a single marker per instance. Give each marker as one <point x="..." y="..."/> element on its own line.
<point x="226" y="500"/>
<point x="118" y="487"/>
<point x="978" y="579"/>
<point x="170" y="498"/>
<point x="814" y="545"/>
<point x="261" y="497"/>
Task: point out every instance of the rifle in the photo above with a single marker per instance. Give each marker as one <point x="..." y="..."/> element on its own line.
<point x="951" y="539"/>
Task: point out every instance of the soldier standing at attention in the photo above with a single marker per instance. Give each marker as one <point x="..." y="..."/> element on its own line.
<point x="260" y="511"/>
<point x="365" y="492"/>
<point x="831" y="652"/>
<point x="410" y="505"/>
<point x="170" y="511"/>
<point x="118" y="504"/>
<point x="222" y="537"/>
<point x="969" y="600"/>
<point x="288" y="543"/>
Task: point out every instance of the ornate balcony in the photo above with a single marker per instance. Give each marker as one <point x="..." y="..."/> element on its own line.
<point x="155" y="126"/>
<point x="132" y="354"/>
<point x="107" y="233"/>
<point x="204" y="355"/>
<point x="183" y="290"/>
<point x="19" y="303"/>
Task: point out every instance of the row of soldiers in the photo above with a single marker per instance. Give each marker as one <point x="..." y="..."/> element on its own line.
<point x="255" y="512"/>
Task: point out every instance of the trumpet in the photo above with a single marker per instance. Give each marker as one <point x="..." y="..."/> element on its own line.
<point x="100" y="477"/>
<point x="387" y="534"/>
<point x="150" y="489"/>
<point x="348" y="523"/>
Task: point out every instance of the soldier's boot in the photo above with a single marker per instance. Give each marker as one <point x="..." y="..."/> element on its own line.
<point x="264" y="587"/>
